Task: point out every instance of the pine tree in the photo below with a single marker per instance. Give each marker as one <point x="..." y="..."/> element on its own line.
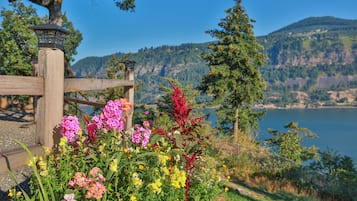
<point x="234" y="80"/>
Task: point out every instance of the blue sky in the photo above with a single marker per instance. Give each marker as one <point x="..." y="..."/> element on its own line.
<point x="107" y="30"/>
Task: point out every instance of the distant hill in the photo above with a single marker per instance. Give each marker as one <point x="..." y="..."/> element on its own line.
<point x="310" y="61"/>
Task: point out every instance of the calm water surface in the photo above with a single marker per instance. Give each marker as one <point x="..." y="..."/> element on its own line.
<point x="336" y="128"/>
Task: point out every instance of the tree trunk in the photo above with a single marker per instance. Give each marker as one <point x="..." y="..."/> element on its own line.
<point x="54" y="9"/>
<point x="235" y="126"/>
<point x="55" y="12"/>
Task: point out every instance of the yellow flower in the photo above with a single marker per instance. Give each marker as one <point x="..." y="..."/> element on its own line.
<point x="228" y="177"/>
<point x="156" y="186"/>
<point x="42" y="164"/>
<point x="226" y="189"/>
<point x="114" y="165"/>
<point x="163" y="159"/>
<point x="178" y="178"/>
<point x="136" y="180"/>
<point x="63" y="142"/>
<point x="101" y="148"/>
<point x="46" y="150"/>
<point x="165" y="170"/>
<point x="44" y="173"/>
<point x="32" y="161"/>
<point x="133" y="198"/>
<point x="141" y="167"/>
<point x="126" y="150"/>
<point x="12" y="192"/>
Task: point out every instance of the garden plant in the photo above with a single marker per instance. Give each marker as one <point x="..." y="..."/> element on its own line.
<point x="105" y="161"/>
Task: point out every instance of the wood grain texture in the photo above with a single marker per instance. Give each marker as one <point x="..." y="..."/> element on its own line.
<point x="21" y="85"/>
<point x="83" y="84"/>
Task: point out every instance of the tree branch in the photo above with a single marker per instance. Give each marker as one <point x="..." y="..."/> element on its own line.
<point x="44" y="3"/>
<point x="54" y="9"/>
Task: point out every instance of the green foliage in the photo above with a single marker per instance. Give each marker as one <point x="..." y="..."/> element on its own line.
<point x="18" y="43"/>
<point x="323" y="23"/>
<point x="337" y="175"/>
<point x="125" y="4"/>
<point x="234" y="79"/>
<point x="289" y="145"/>
<point x="115" y="69"/>
<point x="319" y="95"/>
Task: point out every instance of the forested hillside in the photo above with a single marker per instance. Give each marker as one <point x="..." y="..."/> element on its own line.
<point x="311" y="63"/>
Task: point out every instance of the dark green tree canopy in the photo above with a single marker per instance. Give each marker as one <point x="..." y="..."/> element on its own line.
<point x="54" y="8"/>
<point x="18" y="42"/>
<point x="234" y="80"/>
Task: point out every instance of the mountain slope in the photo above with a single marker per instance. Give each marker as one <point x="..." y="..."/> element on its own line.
<point x="303" y="56"/>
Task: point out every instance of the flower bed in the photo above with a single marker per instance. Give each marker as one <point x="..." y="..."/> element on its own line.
<point x="106" y="162"/>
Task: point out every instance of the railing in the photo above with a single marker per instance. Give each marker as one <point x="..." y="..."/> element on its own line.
<point x="49" y="86"/>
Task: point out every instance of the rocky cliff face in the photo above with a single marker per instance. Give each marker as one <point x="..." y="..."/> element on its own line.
<point x="313" y="41"/>
<point x="311" y="59"/>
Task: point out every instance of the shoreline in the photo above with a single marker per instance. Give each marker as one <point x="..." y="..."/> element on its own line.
<point x="274" y="107"/>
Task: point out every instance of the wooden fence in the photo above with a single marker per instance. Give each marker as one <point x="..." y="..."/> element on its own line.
<point x="48" y="85"/>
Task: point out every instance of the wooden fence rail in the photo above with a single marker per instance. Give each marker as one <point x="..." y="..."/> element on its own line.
<point x="21" y="85"/>
<point x="49" y="87"/>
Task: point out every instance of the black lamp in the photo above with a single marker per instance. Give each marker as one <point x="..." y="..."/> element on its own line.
<point x="129" y="64"/>
<point x="50" y="35"/>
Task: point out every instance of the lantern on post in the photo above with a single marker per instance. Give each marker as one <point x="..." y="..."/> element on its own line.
<point x="50" y="65"/>
<point x="50" y="35"/>
<point x="129" y="65"/>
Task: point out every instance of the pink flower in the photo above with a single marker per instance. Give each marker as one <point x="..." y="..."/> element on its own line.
<point x="141" y="135"/>
<point x="95" y="190"/>
<point x="147" y="112"/>
<point x="97" y="121"/>
<point x="146" y="124"/>
<point x="69" y="197"/>
<point x="94" y="172"/>
<point x="100" y="177"/>
<point x="112" y="115"/>
<point x="80" y="179"/>
<point x="70" y="127"/>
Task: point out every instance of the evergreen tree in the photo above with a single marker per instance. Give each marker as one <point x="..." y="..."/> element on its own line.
<point x="234" y="79"/>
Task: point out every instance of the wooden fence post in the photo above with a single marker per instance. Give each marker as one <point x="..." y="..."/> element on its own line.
<point x="129" y="94"/>
<point x="50" y="106"/>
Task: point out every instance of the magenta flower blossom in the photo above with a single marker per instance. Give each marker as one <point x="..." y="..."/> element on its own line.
<point x="97" y="121"/>
<point x="112" y="115"/>
<point x="141" y="135"/>
<point x="70" y="127"/>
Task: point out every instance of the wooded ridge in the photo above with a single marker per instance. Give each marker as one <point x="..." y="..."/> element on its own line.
<point x="311" y="63"/>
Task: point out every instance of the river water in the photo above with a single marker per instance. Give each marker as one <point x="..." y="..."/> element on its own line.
<point x="336" y="128"/>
